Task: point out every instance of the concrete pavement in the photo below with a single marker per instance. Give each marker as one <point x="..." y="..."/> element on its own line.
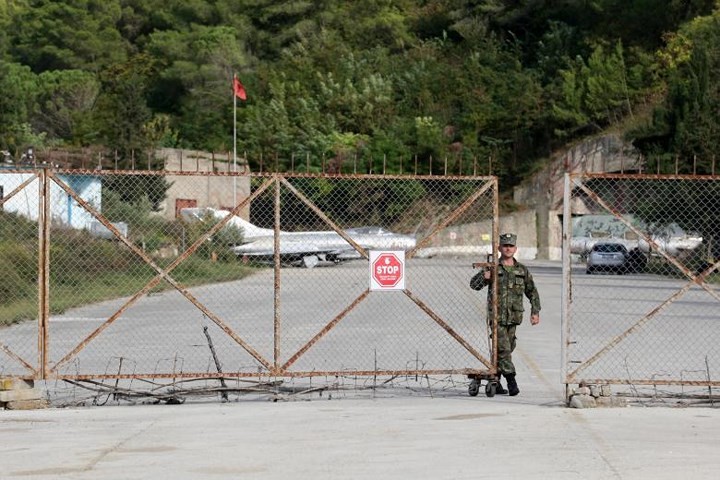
<point x="449" y="437"/>
<point x="410" y="431"/>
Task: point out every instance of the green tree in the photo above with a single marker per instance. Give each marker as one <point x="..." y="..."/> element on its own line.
<point x="506" y="80"/>
<point x="122" y="111"/>
<point x="359" y="99"/>
<point x="19" y="87"/>
<point x="65" y="101"/>
<point x="197" y="65"/>
<point x="596" y="92"/>
<point x="8" y="11"/>
<point x="267" y="26"/>
<point x="694" y="97"/>
<point x="53" y="35"/>
<point x="685" y="129"/>
<point x="372" y="24"/>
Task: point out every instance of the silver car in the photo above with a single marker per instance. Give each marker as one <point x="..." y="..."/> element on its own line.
<point x="607" y="257"/>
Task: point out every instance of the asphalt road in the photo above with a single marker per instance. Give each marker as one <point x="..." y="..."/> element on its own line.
<point x="407" y="432"/>
<point x="164" y="332"/>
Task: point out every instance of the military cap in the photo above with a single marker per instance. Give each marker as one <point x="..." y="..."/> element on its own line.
<point x="508" y="239"/>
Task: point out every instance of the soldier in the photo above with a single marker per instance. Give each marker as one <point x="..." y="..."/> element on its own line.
<point x="514" y="282"/>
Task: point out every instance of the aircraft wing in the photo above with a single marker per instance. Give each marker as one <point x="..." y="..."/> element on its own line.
<point x="294" y="253"/>
<point x="308" y="248"/>
<point x="313" y="248"/>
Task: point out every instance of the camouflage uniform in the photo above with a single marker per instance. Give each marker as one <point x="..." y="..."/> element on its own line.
<point x="515" y="281"/>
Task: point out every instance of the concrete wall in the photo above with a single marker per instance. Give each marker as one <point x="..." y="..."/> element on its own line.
<point x="207" y="191"/>
<point x="544" y="191"/>
<point x="474" y="239"/>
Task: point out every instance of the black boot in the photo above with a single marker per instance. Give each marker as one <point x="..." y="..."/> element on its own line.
<point x="499" y="388"/>
<point x="512" y="384"/>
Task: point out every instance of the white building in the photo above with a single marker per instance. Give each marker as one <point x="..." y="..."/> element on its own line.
<point x="64" y="209"/>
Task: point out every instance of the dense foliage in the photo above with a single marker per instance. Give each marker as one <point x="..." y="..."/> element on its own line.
<point x="372" y="83"/>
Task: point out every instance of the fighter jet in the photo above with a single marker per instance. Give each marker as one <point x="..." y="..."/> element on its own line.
<point x="304" y="249"/>
<point x="671" y="239"/>
<point x="673" y="245"/>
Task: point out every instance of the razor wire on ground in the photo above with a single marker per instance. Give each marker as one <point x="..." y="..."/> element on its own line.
<point x="642" y="284"/>
<point x="89" y="392"/>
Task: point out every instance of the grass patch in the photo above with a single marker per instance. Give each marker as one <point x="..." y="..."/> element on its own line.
<point x="112" y="285"/>
<point x="69" y="291"/>
<point x="86" y="270"/>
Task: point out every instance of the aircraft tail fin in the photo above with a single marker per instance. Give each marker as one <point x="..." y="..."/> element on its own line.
<point x="250" y="231"/>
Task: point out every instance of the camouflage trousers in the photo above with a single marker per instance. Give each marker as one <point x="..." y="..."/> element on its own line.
<point x="505" y="346"/>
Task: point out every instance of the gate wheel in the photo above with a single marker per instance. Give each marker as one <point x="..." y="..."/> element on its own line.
<point x="474" y="388"/>
<point x="490" y="388"/>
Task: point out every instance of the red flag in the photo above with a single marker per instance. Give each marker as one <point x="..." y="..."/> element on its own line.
<point x="239" y="89"/>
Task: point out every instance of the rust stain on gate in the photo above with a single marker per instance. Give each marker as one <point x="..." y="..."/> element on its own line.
<point x="274" y="366"/>
<point x="162" y="275"/>
<point x="601" y="195"/>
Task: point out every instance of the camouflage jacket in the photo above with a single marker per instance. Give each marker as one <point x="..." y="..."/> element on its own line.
<point x="514" y="282"/>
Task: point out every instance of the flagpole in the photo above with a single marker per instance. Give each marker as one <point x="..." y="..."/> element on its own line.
<point x="234" y="147"/>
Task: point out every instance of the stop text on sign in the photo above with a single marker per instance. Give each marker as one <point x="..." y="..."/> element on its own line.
<point x="387" y="270"/>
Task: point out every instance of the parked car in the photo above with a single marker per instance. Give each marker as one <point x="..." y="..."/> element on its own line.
<point x="608" y="257"/>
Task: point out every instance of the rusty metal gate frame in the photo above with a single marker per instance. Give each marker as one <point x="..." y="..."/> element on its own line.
<point x="46" y="371"/>
<point x="42" y="296"/>
<point x="491" y="363"/>
<point x="572" y="376"/>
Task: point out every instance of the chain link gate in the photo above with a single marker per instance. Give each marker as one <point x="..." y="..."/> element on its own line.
<point x="641" y="297"/>
<point x="132" y="286"/>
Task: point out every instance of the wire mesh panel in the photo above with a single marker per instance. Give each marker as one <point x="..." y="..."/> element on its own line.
<point x="145" y="307"/>
<point x="197" y="275"/>
<point x="331" y="318"/>
<point x="19" y="213"/>
<point x="644" y="297"/>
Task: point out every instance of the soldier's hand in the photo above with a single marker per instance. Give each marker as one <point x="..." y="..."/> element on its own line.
<point x="535" y="319"/>
<point x="487" y="274"/>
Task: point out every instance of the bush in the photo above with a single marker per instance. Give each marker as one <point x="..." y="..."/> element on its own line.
<point x="219" y="243"/>
<point x="19" y="267"/>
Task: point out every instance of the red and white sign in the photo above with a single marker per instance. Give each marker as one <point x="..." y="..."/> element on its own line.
<point x="387" y="270"/>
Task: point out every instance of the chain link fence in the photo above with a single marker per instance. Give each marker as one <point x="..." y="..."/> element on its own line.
<point x="642" y="298"/>
<point x="129" y="275"/>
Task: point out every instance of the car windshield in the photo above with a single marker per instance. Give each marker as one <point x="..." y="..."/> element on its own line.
<point x="609" y="248"/>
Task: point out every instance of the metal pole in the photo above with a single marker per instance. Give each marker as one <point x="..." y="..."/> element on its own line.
<point x="494" y="253"/>
<point x="276" y="297"/>
<point x="565" y="293"/>
<point x="43" y="271"/>
<point x="234" y="146"/>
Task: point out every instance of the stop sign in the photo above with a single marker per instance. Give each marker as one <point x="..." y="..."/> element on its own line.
<point x="387" y="270"/>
